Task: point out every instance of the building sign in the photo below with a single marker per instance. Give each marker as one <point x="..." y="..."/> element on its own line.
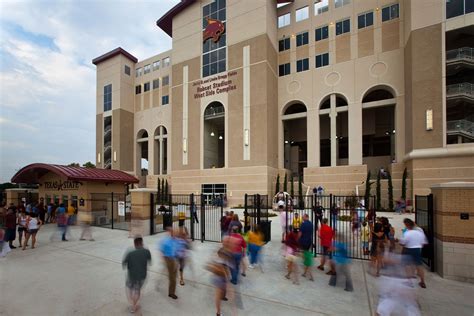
<point x="121" y="208"/>
<point x="214" y="85"/>
<point x="61" y="186"/>
<point x="214" y="30"/>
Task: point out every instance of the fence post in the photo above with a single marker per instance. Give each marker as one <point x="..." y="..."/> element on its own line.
<point x="222" y="210"/>
<point x="431" y="232"/>
<point x="191" y="205"/>
<point x="112" y="195"/>
<point x="331" y="202"/>
<point x="258" y="208"/>
<point x="203" y="218"/>
<point x="246" y="214"/>
<point x="152" y="214"/>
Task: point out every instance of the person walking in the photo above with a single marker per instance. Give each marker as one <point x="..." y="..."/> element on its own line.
<point x="10" y="226"/>
<point x="413" y="241"/>
<point x="306" y="242"/>
<point x="136" y="262"/>
<point x="22" y="218"/>
<point x="182" y="250"/>
<point x="255" y="241"/>
<point x="291" y="255"/>
<point x="220" y="269"/>
<point x="235" y="222"/>
<point x="342" y="261"/>
<point x="326" y="235"/>
<point x="49" y="209"/>
<point x="377" y="248"/>
<point x="169" y="247"/>
<point x="41" y="211"/>
<point x="284" y="220"/>
<point x="62" y="221"/>
<point x="296" y="223"/>
<point x="85" y="220"/>
<point x="238" y="247"/>
<point x="318" y="215"/>
<point x="364" y="238"/>
<point x="225" y="224"/>
<point x="33" y="225"/>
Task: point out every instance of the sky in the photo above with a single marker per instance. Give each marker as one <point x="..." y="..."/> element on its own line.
<point x="47" y="79"/>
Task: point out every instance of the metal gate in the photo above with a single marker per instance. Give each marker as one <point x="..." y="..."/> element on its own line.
<point x="111" y="210"/>
<point x="256" y="214"/>
<point x="345" y="215"/>
<point x="424" y="219"/>
<point x="200" y="214"/>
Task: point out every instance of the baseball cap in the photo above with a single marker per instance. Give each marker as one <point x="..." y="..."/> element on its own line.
<point x="281" y="203"/>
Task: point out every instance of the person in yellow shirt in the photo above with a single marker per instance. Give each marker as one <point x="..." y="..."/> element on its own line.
<point x="364" y="237"/>
<point x="296" y="222"/>
<point x="255" y="243"/>
<point x="71" y="211"/>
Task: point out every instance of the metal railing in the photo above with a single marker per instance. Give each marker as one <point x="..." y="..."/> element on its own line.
<point x="108" y="164"/>
<point x="464" y="88"/>
<point x="460" y="126"/>
<point x="107" y="129"/>
<point x="460" y="53"/>
<point x="212" y="112"/>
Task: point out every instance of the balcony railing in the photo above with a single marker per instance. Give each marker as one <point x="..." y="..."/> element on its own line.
<point x="108" y="164"/>
<point x="460" y="53"/>
<point x="107" y="129"/>
<point x="460" y="127"/>
<point x="464" y="88"/>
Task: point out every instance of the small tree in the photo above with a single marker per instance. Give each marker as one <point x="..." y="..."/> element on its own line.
<point x="404" y="184"/>
<point x="300" y="192"/>
<point x="285" y="184"/>
<point x="378" y="193"/>
<point x="163" y="194"/>
<point x="158" y="189"/>
<point x="292" y="188"/>
<point x="390" y="191"/>
<point x="88" y="165"/>
<point x="74" y="164"/>
<point x="166" y="189"/>
<point x="367" y="190"/>
<point x="277" y="185"/>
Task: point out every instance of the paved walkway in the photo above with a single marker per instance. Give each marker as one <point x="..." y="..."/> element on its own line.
<point x="86" y="278"/>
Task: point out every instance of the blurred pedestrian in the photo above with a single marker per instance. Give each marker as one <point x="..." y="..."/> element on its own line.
<point x="71" y="211"/>
<point x="136" y="261"/>
<point x="22" y="218"/>
<point x="342" y="261"/>
<point x="377" y="249"/>
<point x="33" y="224"/>
<point x="4" y="247"/>
<point x="10" y="226"/>
<point x="85" y="220"/>
<point x="283" y="219"/>
<point x="184" y="245"/>
<point x="335" y="209"/>
<point x="306" y="243"/>
<point x="326" y="235"/>
<point x="413" y="241"/>
<point x="238" y="247"/>
<point x="168" y="247"/>
<point x="62" y="221"/>
<point x="235" y="222"/>
<point x="296" y="223"/>
<point x="225" y="221"/>
<point x="365" y="237"/>
<point x="49" y="209"/>
<point x="255" y="242"/>
<point x="291" y="255"/>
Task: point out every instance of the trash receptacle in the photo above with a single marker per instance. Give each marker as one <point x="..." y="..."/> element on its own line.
<point x="266" y="227"/>
<point x="167" y="219"/>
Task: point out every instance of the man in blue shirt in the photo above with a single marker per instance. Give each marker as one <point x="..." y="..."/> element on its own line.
<point x="169" y="247"/>
<point x="342" y="261"/>
<point x="306" y="241"/>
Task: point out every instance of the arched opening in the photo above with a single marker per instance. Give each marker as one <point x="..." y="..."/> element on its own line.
<point x="295" y="138"/>
<point x="339" y="113"/>
<point x="378" y="128"/>
<point x="161" y="151"/>
<point x="142" y="153"/>
<point x="214" y="136"/>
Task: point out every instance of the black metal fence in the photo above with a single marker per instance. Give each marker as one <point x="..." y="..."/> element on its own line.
<point x="111" y="210"/>
<point x="424" y="218"/>
<point x="199" y="214"/>
<point x="345" y="215"/>
<point x="256" y="214"/>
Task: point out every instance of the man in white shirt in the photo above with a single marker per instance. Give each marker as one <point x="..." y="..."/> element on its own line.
<point x="284" y="219"/>
<point x="413" y="241"/>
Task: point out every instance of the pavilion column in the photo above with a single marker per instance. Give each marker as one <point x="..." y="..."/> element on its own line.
<point x="355" y="134"/>
<point x="333" y="117"/>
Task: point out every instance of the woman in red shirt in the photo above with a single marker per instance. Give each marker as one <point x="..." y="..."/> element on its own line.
<point x="326" y="235"/>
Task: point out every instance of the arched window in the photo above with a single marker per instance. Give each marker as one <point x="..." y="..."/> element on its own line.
<point x="161" y="151"/>
<point x="295" y="138"/>
<point x="377" y="95"/>
<point x="214" y="136"/>
<point x="142" y="152"/>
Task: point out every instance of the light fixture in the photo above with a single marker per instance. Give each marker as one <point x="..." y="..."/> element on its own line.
<point x="115" y="156"/>
<point x="220" y="137"/>
<point x="387" y="133"/>
<point x="246" y="137"/>
<point x="393" y="132"/>
<point x="293" y="35"/>
<point x="332" y="23"/>
<point x="429" y="120"/>
<point x="185" y="145"/>
<point x="376" y="9"/>
<point x="98" y="158"/>
<point x="286" y="142"/>
<point x="212" y="134"/>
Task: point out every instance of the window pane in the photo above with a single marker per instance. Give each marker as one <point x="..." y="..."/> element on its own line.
<point x="325" y="32"/>
<point x="394" y="11"/>
<point x="281" y="70"/>
<point x="213" y="68"/>
<point x="385" y="14"/>
<point x="205" y="71"/>
<point x="221" y="54"/>
<point x="469" y="6"/>
<point x="281" y="45"/>
<point x="318" y="61"/>
<point x="287" y="43"/>
<point x="369" y="19"/>
<point x="326" y="59"/>
<point x="338" y="3"/>
<point x="361" y="21"/>
<point x="306" y="64"/>
<point x="347" y="25"/>
<point x="221" y="66"/>
<point x="205" y="59"/>
<point x="221" y="15"/>
<point x="221" y="4"/>
<point x="213" y="57"/>
<point x="205" y="10"/>
<point x="338" y="28"/>
<point x="287" y="69"/>
<point x="301" y="14"/>
<point x="305" y="38"/>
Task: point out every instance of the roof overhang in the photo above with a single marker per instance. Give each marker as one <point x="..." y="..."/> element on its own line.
<point x="166" y="21"/>
<point x="113" y="53"/>
<point x="32" y="174"/>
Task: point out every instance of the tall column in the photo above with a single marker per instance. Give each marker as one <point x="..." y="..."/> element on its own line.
<point x="246" y="103"/>
<point x="312" y="130"/>
<point x="333" y="117"/>
<point x="185" y="117"/>
<point x="355" y="134"/>
<point x="161" y="157"/>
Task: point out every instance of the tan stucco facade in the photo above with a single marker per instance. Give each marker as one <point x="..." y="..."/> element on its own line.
<point x="404" y="56"/>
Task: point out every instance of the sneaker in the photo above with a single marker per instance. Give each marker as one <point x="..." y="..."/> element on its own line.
<point x="92" y="239"/>
<point x="12" y="247"/>
<point x="321" y="268"/>
<point x="225" y="299"/>
<point x="243" y="274"/>
<point x="173" y="296"/>
<point x="251" y="266"/>
<point x="82" y="239"/>
<point x="422" y="284"/>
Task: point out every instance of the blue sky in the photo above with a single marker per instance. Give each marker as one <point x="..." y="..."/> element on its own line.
<point x="47" y="80"/>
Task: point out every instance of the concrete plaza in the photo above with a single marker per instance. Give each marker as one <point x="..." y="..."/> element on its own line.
<point x="86" y="278"/>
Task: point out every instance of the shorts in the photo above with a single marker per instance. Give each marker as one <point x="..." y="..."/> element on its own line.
<point x="290" y="258"/>
<point x="21" y="229"/>
<point x="32" y="231"/>
<point x="219" y="282"/>
<point x="181" y="222"/>
<point x="308" y="258"/>
<point x="10" y="234"/>
<point x="134" y="285"/>
<point x="412" y="256"/>
<point x="365" y="244"/>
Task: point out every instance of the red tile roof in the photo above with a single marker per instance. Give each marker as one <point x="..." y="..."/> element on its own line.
<point x="113" y="53"/>
<point x="32" y="174"/>
<point x="166" y="21"/>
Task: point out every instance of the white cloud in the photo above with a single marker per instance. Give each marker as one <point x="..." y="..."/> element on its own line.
<point x="47" y="81"/>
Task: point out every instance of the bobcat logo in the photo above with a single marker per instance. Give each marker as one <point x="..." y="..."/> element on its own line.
<point x="214" y="30"/>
